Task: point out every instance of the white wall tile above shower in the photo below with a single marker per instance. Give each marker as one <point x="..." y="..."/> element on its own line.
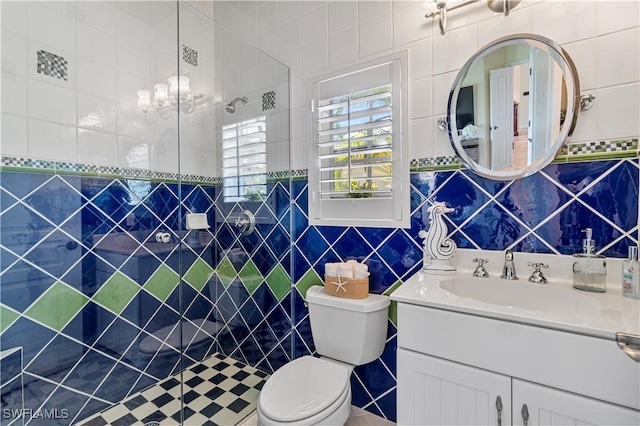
<point x="342" y="15"/>
<point x="410" y="25"/>
<point x="100" y="14"/>
<point x="557" y="20"/>
<point x="14" y="17"/>
<point x="343" y="48"/>
<point x="14" y="94"/>
<point x="52" y="141"/>
<point x="441" y="85"/>
<point x="616" y="15"/>
<point x="421" y="101"/>
<point x="46" y="25"/>
<point x="417" y="129"/>
<point x="13" y="140"/>
<point x="453" y="49"/>
<point x="315" y="24"/>
<point x="582" y="54"/>
<point x="97" y="79"/>
<point x="96" y="147"/>
<point x="368" y="9"/>
<point x="96" y="45"/>
<point x="97" y="113"/>
<point x="14" y="54"/>
<point x="619" y="111"/>
<point x="618" y="58"/>
<point x="375" y="35"/>
<point x="518" y="21"/>
<point x="51" y="103"/>
<point x="420" y="58"/>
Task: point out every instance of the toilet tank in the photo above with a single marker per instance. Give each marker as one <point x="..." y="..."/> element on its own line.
<point x="348" y="330"/>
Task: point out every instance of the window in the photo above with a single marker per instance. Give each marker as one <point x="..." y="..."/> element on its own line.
<point x="358" y="161"/>
<point x="244" y="160"/>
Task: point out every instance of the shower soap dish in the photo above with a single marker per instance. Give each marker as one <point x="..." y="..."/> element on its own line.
<point x="349" y="280"/>
<point x="197" y="221"/>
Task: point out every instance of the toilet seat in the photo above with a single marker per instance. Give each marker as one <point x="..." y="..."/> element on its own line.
<point x="304" y="391"/>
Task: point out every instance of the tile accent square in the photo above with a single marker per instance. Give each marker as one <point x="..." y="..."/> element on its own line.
<point x="190" y="55"/>
<point x="268" y="100"/>
<point x="52" y="65"/>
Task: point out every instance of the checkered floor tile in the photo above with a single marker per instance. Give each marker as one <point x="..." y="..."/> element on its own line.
<point x="217" y="391"/>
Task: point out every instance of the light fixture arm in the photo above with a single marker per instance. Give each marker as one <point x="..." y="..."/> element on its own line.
<point x="499" y="6"/>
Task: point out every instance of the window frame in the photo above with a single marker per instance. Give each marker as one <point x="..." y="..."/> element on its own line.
<point x="392" y="212"/>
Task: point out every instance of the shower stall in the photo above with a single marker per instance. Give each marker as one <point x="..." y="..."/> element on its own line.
<point x="145" y="231"/>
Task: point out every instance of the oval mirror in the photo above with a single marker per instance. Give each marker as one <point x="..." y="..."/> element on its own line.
<point x="513" y="106"/>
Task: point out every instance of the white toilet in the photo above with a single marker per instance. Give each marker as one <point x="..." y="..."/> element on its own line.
<point x="312" y="391"/>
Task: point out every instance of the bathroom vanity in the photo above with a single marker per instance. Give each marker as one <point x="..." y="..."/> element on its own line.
<point x="486" y="351"/>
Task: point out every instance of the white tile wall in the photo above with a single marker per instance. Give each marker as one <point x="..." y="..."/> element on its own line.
<point x="603" y="43"/>
<point x="115" y="48"/>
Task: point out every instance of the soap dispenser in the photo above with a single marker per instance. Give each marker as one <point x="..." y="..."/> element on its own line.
<point x="589" y="269"/>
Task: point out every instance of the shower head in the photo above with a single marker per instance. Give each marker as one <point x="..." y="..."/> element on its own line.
<point x="231" y="106"/>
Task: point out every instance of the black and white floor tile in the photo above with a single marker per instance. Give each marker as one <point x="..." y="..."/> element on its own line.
<point x="217" y="391"/>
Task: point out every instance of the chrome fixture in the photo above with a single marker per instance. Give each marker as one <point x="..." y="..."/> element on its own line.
<point x="499" y="409"/>
<point x="586" y="101"/>
<point x="480" y="271"/>
<point x="630" y="344"/>
<point x="442" y="9"/>
<point x="231" y="106"/>
<point x="246" y="222"/>
<point x="509" y="269"/>
<point x="536" y="276"/>
<point x="174" y="93"/>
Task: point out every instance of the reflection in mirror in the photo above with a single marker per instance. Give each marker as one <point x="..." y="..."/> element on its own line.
<point x="512" y="106"/>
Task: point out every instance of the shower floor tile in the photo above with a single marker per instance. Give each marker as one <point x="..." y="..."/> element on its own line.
<point x="217" y="391"/>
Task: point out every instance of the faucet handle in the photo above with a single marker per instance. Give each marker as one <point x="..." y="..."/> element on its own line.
<point x="480" y="271"/>
<point x="537" y="276"/>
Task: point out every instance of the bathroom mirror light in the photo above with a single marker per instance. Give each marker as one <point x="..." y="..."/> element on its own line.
<point x="513" y="106"/>
<point x="165" y="97"/>
<point x="443" y="9"/>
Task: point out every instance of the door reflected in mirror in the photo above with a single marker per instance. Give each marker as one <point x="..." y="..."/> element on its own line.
<point x="515" y="105"/>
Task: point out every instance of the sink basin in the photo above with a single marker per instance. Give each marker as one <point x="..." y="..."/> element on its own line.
<point x="519" y="294"/>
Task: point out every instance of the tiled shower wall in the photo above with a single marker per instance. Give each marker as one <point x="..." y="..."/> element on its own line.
<point x="93" y="300"/>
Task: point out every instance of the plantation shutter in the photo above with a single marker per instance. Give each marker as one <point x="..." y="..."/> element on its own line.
<point x="358" y="165"/>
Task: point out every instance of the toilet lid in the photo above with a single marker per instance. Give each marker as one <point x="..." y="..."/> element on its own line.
<point x="303" y="388"/>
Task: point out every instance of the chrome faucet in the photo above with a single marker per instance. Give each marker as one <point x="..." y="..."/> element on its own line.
<point x="480" y="271"/>
<point x="509" y="269"/>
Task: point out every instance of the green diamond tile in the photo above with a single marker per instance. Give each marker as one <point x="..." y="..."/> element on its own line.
<point x="7" y="317"/>
<point x="226" y="272"/>
<point x="250" y="276"/>
<point x="198" y="274"/>
<point x="279" y="282"/>
<point x="117" y="292"/>
<point x="308" y="280"/>
<point x="57" y="306"/>
<point x="162" y="282"/>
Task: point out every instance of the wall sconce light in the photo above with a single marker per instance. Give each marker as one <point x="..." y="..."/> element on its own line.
<point x="442" y="10"/>
<point x="165" y="97"/>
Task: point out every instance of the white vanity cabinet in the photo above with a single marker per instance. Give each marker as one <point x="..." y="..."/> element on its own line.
<point x="433" y="391"/>
<point x="453" y="366"/>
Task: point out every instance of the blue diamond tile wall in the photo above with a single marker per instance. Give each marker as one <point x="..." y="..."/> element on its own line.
<point x="94" y="300"/>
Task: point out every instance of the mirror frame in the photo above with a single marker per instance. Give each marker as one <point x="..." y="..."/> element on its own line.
<point x="572" y="82"/>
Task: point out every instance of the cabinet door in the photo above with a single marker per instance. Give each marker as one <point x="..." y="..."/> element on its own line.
<point x="552" y="407"/>
<point x="433" y="391"/>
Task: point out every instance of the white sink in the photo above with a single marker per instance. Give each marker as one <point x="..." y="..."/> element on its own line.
<point x="519" y="294"/>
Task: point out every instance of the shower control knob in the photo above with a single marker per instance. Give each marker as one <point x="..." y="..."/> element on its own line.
<point x="163" y="237"/>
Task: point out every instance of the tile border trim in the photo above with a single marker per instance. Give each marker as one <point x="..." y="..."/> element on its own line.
<point x="573" y="152"/>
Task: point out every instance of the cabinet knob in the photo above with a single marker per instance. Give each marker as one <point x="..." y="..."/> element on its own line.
<point x="499" y="408"/>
